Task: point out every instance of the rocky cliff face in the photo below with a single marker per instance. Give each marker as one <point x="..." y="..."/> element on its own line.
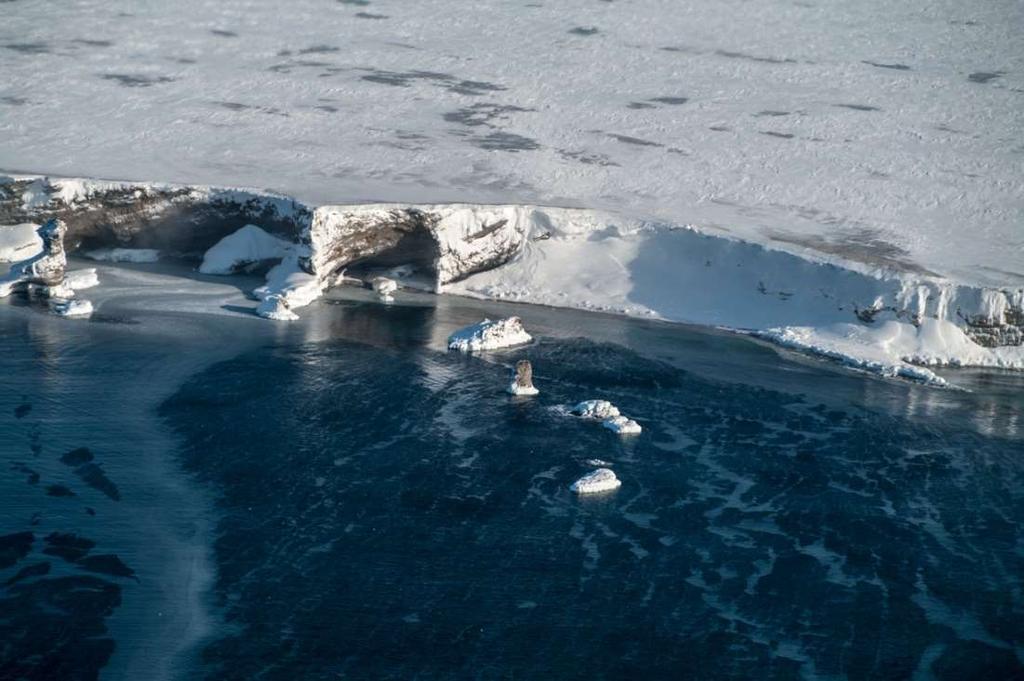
<point x="176" y="220"/>
<point x="447" y="243"/>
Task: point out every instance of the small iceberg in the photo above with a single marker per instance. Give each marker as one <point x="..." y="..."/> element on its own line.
<point x="489" y="335"/>
<point x="600" y="480"/>
<point x="384" y="288"/>
<point x="522" y="379"/>
<point x="74" y="307"/>
<point x="622" y="425"/>
<point x="276" y="307"/>
<point x="597" y="410"/>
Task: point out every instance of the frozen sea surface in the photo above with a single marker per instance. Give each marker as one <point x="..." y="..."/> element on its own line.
<point x="373" y="506"/>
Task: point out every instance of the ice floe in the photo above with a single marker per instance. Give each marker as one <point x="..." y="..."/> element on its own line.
<point x="384" y="288"/>
<point x="622" y="425"/>
<point x="74" y="307"/>
<point x="595" y="409"/>
<point x="600" y="480"/>
<point x="489" y="335"/>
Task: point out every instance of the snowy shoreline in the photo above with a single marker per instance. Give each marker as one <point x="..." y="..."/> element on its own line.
<point x="893" y="321"/>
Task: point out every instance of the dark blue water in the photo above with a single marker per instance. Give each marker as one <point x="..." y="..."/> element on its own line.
<point x="382" y="509"/>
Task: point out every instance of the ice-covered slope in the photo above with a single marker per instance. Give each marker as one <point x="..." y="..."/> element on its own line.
<point x="886" y="133"/>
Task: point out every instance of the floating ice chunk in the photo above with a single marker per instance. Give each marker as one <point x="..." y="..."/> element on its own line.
<point x="79" y="280"/>
<point x="276" y="307"/>
<point x="622" y="425"/>
<point x="488" y="335"/>
<point x="75" y="307"/>
<point x="19" y="242"/>
<point x="522" y="379"/>
<point x="384" y="287"/>
<point x="595" y="409"/>
<point x="600" y="480"/>
<point x="598" y="462"/>
<point x="247" y="246"/>
<point x="291" y="282"/>
<point x="124" y="254"/>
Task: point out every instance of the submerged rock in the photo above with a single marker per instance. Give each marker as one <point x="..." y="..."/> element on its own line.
<point x="600" y="480"/>
<point x="489" y="335"/>
<point x="595" y="409"/>
<point x="622" y="425"/>
<point x="522" y="379"/>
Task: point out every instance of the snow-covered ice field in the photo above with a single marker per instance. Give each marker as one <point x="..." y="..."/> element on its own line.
<point x="883" y="138"/>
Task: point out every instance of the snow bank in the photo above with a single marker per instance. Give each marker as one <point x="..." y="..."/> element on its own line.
<point x="489" y="335"/>
<point x="291" y="283"/>
<point x="138" y="255"/>
<point x="600" y="480"/>
<point x="248" y="246"/>
<point x="19" y="242"/>
<point x="597" y="410"/>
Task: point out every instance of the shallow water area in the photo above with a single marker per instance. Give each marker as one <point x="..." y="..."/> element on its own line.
<point x="339" y="496"/>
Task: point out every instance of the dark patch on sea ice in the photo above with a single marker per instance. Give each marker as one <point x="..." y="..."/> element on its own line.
<point x="895" y="67"/>
<point x="59" y="491"/>
<point x="223" y="34"/>
<point x="858" y="107"/>
<point x="94" y="43"/>
<point x="506" y="141"/>
<point x="444" y="80"/>
<point x="130" y="80"/>
<point x="584" y="30"/>
<point x="358" y="3"/>
<point x="326" y="107"/>
<point x="985" y="76"/>
<point x="483" y="114"/>
<point x="782" y="135"/>
<point x="29" y="48"/>
<point x="315" y="49"/>
<point x="772" y="113"/>
<point x="107" y="564"/>
<point x="640" y="105"/>
<point x="22" y="410"/>
<point x="13" y="101"/>
<point x="68" y="546"/>
<point x="37" y="570"/>
<point x="76" y="457"/>
<point x="672" y="101"/>
<point x="626" y="139"/>
<point x="863" y="245"/>
<point x="755" y="58"/>
<point x="14" y="547"/>
<point x="720" y="128"/>
<point x="370" y="15"/>
<point x="93" y="475"/>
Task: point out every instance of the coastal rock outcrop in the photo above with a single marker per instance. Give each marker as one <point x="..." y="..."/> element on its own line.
<point x="522" y="379"/>
<point x="45" y="268"/>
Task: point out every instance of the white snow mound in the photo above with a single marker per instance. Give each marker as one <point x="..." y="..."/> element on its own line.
<point x="247" y="246"/>
<point x="489" y="335"/>
<point x="19" y="242"/>
<point x="276" y="308"/>
<point x="138" y="255"/>
<point x="596" y="409"/>
<point x="622" y="425"/>
<point x="600" y="480"/>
